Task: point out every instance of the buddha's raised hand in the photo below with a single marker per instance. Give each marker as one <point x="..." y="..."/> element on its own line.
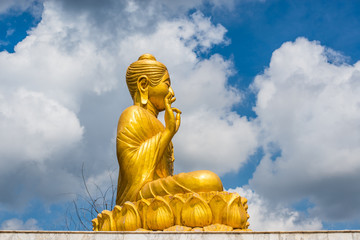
<point x="172" y="123"/>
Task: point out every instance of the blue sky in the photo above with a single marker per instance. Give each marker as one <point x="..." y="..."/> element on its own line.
<point x="269" y="92"/>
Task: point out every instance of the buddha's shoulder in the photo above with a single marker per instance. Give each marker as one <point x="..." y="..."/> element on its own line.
<point x="135" y="118"/>
<point x="132" y="112"/>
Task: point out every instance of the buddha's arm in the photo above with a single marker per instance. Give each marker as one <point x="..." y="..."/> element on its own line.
<point x="172" y="124"/>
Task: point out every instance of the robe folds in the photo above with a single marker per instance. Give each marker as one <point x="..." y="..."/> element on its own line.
<point x="143" y="172"/>
<point x="137" y="145"/>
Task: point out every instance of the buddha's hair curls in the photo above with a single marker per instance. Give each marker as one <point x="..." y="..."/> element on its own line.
<point x="145" y="65"/>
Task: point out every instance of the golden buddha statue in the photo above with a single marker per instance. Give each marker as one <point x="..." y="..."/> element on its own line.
<point x="149" y="196"/>
<point x="143" y="144"/>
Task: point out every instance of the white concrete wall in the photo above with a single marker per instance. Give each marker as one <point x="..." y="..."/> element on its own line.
<point x="303" y="235"/>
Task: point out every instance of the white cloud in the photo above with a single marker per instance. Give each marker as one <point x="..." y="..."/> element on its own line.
<point x="210" y="133"/>
<point x="267" y="216"/>
<point x="218" y="142"/>
<point x="308" y="109"/>
<point x="18" y="224"/>
<point x="36" y="132"/>
<point x="36" y="127"/>
<point x="9" y="4"/>
<point x="19" y="6"/>
<point x="174" y="42"/>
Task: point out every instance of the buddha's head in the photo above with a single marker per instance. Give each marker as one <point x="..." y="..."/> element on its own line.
<point x="148" y="81"/>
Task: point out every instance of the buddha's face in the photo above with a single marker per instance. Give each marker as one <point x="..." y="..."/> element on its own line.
<point x="158" y="93"/>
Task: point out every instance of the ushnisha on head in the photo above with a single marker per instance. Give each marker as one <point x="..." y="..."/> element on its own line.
<point x="148" y="81"/>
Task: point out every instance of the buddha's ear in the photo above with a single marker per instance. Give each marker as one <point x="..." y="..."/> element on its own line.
<point x="143" y="86"/>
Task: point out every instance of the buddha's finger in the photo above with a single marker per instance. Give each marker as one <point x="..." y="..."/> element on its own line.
<point x="177" y="118"/>
<point x="167" y="100"/>
<point x="167" y="105"/>
<point x="176" y="110"/>
<point x="177" y="121"/>
<point x="169" y="95"/>
<point x="173" y="99"/>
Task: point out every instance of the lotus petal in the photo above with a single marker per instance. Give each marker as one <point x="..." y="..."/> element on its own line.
<point x="143" y="206"/>
<point x="116" y="215"/>
<point x="100" y="221"/>
<point x="235" y="215"/>
<point x="108" y="223"/>
<point x="159" y="215"/>
<point x="196" y="212"/>
<point x="129" y="219"/>
<point x="95" y="223"/>
<point x="217" y="205"/>
<point x="176" y="204"/>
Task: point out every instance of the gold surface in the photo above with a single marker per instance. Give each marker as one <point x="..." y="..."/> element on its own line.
<point x="143" y="143"/>
<point x="145" y="156"/>
<point x="207" y="211"/>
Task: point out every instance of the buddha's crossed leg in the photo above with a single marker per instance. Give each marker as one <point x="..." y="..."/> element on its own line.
<point x="197" y="181"/>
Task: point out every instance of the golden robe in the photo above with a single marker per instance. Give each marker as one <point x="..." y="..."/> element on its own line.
<point x="145" y="174"/>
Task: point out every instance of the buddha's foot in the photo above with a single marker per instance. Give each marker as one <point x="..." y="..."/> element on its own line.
<point x="206" y="211"/>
